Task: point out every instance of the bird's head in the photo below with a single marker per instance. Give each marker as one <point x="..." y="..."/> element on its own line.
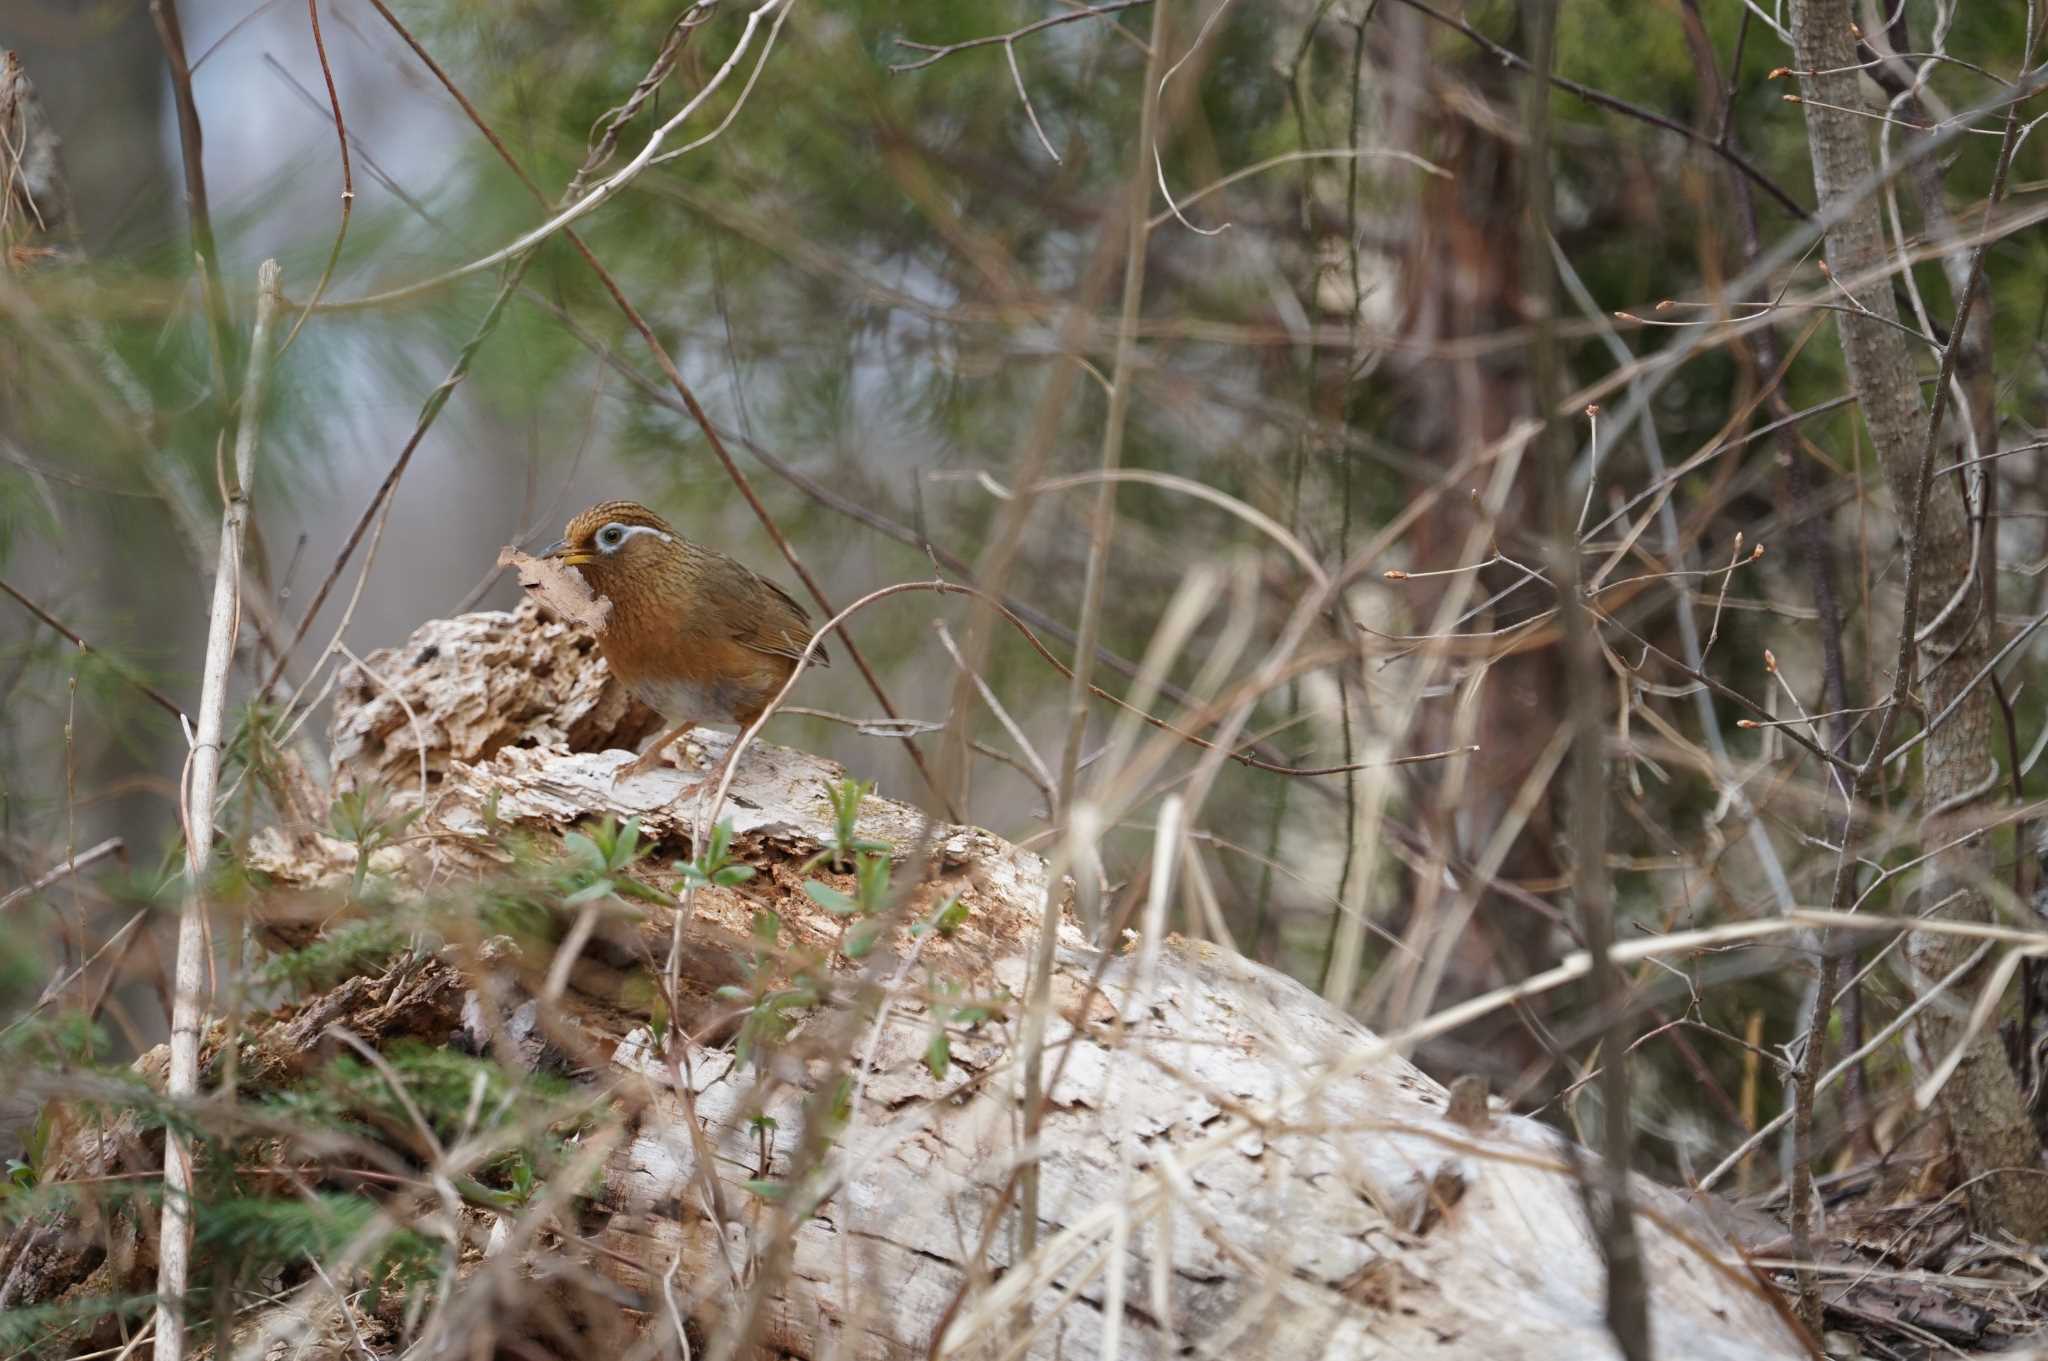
<point x="614" y="541"/>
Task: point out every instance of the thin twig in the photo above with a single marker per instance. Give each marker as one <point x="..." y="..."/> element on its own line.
<point x="599" y="194"/>
<point x="348" y="181"/>
<point x="1017" y="77"/>
<point x="119" y="667"/>
<point x="1608" y="1197"/>
<point x="1138" y="194"/>
<point x="113" y="845"/>
<point x="1038" y="771"/>
<point x="939" y="52"/>
<point x="1353" y="155"/>
<point x="429" y="410"/>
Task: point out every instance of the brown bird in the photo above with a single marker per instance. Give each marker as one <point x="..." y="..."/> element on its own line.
<point x="696" y="636"/>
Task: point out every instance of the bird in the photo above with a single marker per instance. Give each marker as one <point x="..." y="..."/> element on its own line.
<point x="695" y="635"/>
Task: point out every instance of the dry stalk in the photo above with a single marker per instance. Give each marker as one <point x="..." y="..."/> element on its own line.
<point x="1102" y="523"/>
<point x="191" y="149"/>
<point x="188" y="1011"/>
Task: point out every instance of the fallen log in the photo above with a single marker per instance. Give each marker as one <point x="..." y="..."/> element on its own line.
<point x="801" y="1130"/>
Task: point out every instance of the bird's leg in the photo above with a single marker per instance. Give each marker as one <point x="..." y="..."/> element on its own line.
<point x="650" y="758"/>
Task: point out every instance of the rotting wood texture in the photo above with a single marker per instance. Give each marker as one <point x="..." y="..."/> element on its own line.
<point x="1278" y="1196"/>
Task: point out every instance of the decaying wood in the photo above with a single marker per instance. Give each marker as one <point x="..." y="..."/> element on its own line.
<point x="1278" y="1187"/>
<point x="563" y="592"/>
<point x="35" y="205"/>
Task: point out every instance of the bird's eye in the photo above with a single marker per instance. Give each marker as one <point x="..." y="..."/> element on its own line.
<point x="611" y="536"/>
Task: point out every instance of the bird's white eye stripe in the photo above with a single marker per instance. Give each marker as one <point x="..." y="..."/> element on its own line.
<point x="613" y="536"/>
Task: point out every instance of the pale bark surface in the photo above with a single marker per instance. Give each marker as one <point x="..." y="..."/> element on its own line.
<point x="1984" y="1104"/>
<point x="35" y="203"/>
<point x="1291" y="1193"/>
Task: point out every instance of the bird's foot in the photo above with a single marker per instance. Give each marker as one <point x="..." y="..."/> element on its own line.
<point x="649" y="759"/>
<point x="639" y="765"/>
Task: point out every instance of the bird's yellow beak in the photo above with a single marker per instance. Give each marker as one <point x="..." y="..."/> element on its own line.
<point x="561" y="551"/>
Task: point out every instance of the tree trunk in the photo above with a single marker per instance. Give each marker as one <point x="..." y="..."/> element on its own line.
<point x="1983" y="1101"/>
<point x="1460" y="279"/>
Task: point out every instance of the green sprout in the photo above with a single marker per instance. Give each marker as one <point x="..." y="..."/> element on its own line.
<point x="715" y="866"/>
<point x="366" y="821"/>
<point x="952" y="1005"/>
<point x="871" y="872"/>
<point x="845" y="841"/>
<point x="597" y="864"/>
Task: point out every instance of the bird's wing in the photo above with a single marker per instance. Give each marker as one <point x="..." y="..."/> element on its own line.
<point x="781" y="632"/>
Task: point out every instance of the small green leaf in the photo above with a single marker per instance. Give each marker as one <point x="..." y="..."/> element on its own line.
<point x="950" y="917"/>
<point x="789" y="999"/>
<point x="830" y="898"/>
<point x="733" y="874"/>
<point x="767" y="928"/>
<point x="777" y="1191"/>
<point x="938" y="1054"/>
<point x="583" y="848"/>
<point x="861" y="938"/>
<point x="733" y="993"/>
<point x="874" y="882"/>
<point x="601" y="889"/>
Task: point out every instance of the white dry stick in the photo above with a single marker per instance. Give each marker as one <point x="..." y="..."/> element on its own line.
<point x="1152" y="141"/>
<point x="174" y="1253"/>
<point x="1166" y="853"/>
<point x="1159" y="220"/>
<point x="1010" y="51"/>
<point x="1980" y="1014"/>
<point x="1028" y="752"/>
